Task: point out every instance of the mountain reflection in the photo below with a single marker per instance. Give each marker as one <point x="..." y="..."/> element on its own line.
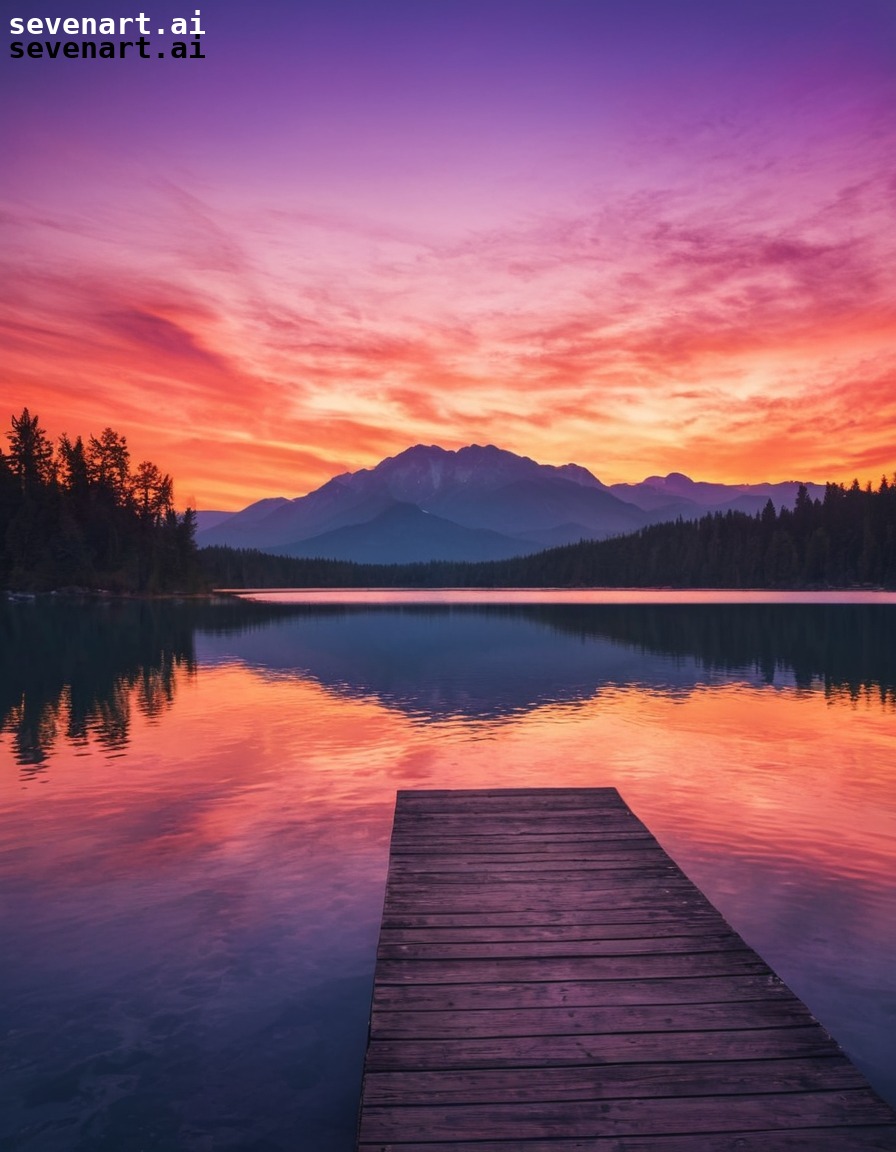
<point x="483" y="662"/>
<point x="79" y="670"/>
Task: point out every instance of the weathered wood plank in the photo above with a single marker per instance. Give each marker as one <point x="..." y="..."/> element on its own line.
<point x="524" y="842"/>
<point x="528" y="879"/>
<point x="875" y="1138"/>
<point x="542" y="897"/>
<point x="579" y="855"/>
<point x="504" y="830"/>
<point x="611" y="1081"/>
<point x="551" y="916"/>
<point x="510" y="826"/>
<point x="573" y="968"/>
<point x="585" y="993"/>
<point x="623" y="1048"/>
<point x="666" y="1116"/>
<point x="590" y="1020"/>
<point x="644" y="945"/>
<point x="531" y="844"/>
<point x="555" y="933"/>
<point x="548" y="980"/>
<point x="481" y="800"/>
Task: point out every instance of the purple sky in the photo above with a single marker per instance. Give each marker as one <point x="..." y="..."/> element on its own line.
<point x="642" y="237"/>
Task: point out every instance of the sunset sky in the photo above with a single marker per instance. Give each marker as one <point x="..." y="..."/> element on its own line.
<point x="642" y="236"/>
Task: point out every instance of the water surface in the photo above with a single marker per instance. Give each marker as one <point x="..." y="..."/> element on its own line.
<point x="195" y="805"/>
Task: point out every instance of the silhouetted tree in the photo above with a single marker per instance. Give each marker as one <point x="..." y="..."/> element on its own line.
<point x="78" y="516"/>
<point x="30" y="452"/>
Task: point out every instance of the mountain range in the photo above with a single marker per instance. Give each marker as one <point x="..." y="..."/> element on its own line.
<point x="476" y="503"/>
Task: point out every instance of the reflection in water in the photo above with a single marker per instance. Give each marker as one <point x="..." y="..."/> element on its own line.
<point x="849" y="647"/>
<point x="478" y="661"/>
<point x="98" y="661"/>
<point x="75" y="669"/>
<point x="190" y="916"/>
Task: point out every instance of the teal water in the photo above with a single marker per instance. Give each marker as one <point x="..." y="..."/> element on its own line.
<point x="195" y="805"/>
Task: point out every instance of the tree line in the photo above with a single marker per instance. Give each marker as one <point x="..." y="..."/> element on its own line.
<point x="78" y="515"/>
<point x="845" y="539"/>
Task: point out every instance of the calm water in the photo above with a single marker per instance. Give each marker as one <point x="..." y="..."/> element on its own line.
<point x="195" y="806"/>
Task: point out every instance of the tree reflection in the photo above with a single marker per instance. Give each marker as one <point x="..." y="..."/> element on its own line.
<point x="82" y="670"/>
<point x="480" y="661"/>
<point x="77" y="669"/>
<point x="848" y="648"/>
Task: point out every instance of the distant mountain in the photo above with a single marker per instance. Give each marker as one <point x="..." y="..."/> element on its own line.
<point x="209" y="519"/>
<point x="478" y="503"/>
<point x="677" y="490"/>
<point x="239" y="521"/>
<point x="405" y="534"/>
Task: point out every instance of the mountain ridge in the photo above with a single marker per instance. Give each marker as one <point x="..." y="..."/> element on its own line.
<point x="510" y="501"/>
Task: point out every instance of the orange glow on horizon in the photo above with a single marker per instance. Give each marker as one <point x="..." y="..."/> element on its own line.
<point x="705" y="351"/>
<point x="229" y="473"/>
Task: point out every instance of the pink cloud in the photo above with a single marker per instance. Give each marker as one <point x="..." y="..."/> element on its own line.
<point x="708" y="289"/>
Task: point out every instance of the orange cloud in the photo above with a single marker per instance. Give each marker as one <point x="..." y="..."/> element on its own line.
<point x="737" y="332"/>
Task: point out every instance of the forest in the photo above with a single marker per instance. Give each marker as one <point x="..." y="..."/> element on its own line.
<point x="78" y="516"/>
<point x="845" y="540"/>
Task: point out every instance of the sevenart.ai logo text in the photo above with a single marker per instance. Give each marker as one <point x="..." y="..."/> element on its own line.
<point x="107" y="38"/>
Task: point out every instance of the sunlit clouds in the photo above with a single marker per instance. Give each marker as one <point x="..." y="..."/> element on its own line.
<point x="636" y="244"/>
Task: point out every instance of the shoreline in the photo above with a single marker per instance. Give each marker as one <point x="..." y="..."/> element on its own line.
<point x="10" y="595"/>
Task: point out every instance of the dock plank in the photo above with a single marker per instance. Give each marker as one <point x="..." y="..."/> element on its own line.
<point x="665" y="1116"/>
<point x="611" y="1082"/>
<point x="584" y="993"/>
<point x="834" y="1139"/>
<point x="592" y="1019"/>
<point x="548" y="980"/>
<point x="629" y="945"/>
<point x="622" y="1048"/>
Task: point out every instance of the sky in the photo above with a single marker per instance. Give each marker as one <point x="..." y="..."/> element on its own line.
<point x="643" y="237"/>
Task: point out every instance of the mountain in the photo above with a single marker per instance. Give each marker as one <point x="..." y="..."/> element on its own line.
<point x="518" y="505"/>
<point x="251" y="515"/>
<point x="679" y="491"/>
<point x="405" y="534"/>
<point x="208" y="519"/>
<point x="477" y="503"/>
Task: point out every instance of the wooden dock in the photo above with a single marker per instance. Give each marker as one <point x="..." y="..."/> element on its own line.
<point x="548" y="980"/>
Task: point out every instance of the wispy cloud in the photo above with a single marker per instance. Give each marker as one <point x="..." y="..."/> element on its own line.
<point x="693" y="274"/>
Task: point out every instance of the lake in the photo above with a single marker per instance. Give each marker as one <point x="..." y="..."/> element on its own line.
<point x="196" y="803"/>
